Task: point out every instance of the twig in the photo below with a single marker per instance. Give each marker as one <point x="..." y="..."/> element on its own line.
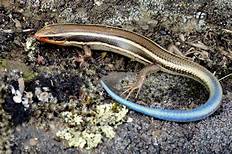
<point x="225" y="76"/>
<point x="13" y="31"/>
<point x="199" y="45"/>
<point x="227" y="30"/>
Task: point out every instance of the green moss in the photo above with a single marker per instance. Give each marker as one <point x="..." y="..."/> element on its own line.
<point x="28" y="73"/>
<point x="2" y="63"/>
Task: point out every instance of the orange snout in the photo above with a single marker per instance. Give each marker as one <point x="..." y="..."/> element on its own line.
<point x="48" y="40"/>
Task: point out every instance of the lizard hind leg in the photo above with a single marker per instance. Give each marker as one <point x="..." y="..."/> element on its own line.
<point x="81" y="58"/>
<point x="137" y="85"/>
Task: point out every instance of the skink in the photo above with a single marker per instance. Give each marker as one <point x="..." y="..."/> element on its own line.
<point x="145" y="51"/>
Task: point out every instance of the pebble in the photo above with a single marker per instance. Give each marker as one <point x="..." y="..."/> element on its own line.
<point x="17" y="99"/>
<point x="33" y="141"/>
<point x="37" y="91"/>
<point x="25" y="102"/>
<point x="45" y="88"/>
<point x="43" y="96"/>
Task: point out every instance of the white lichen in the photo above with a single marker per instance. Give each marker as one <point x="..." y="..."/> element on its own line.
<point x="101" y="124"/>
<point x="21" y="96"/>
<point x="17" y="98"/>
<point x="92" y="139"/>
<point x="108" y="131"/>
<point x="64" y="134"/>
<point x="72" y="119"/>
<point x="44" y="95"/>
<point x="77" y="140"/>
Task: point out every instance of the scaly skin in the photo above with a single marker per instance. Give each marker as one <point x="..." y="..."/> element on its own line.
<point x="145" y="51"/>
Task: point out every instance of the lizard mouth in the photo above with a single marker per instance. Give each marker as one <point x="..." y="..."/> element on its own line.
<point x="52" y="40"/>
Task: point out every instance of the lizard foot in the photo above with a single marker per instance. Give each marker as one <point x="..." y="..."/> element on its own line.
<point x="134" y="86"/>
<point x="140" y="80"/>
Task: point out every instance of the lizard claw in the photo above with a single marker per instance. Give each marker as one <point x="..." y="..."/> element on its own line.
<point x="134" y="86"/>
